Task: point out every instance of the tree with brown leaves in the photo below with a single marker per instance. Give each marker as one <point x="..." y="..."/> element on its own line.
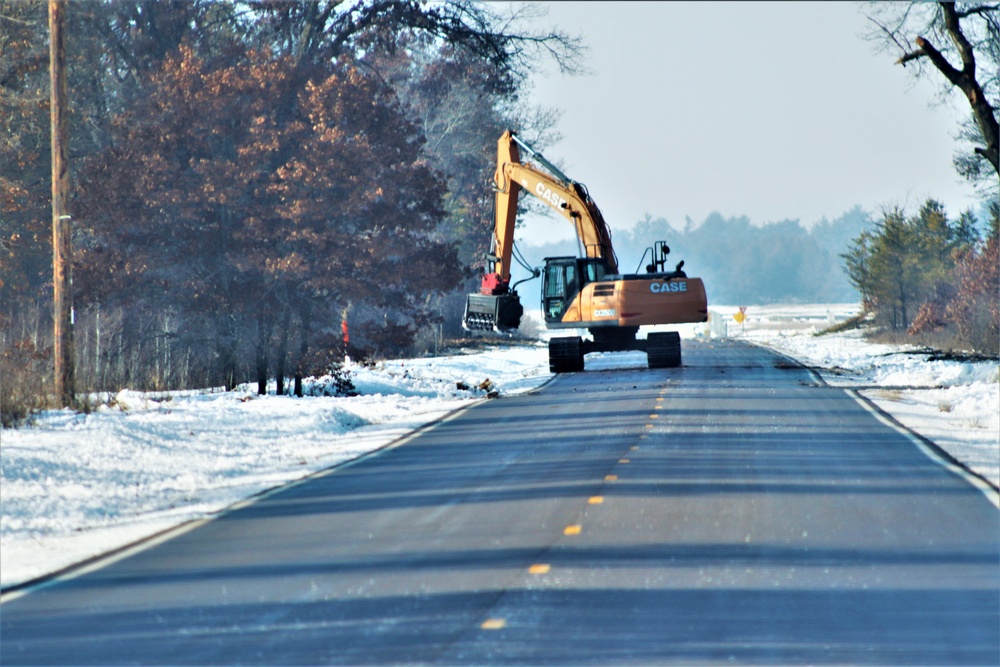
<point x="246" y="193"/>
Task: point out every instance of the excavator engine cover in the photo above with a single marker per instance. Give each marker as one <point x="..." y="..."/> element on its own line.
<point x="487" y="312"/>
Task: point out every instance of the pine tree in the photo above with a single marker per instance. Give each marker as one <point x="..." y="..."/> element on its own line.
<point x="965" y="233"/>
<point x="857" y="265"/>
<point x="895" y="270"/>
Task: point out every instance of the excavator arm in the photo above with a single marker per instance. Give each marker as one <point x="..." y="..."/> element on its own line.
<point x="562" y="194"/>
<point x="495" y="306"/>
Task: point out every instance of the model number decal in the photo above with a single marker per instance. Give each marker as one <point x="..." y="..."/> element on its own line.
<point x="604" y="312"/>
<point x="660" y="288"/>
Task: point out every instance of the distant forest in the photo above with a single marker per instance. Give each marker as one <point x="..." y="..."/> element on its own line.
<point x="742" y="262"/>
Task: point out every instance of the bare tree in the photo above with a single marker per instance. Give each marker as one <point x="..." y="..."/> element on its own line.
<point x="323" y="30"/>
<point x="960" y="41"/>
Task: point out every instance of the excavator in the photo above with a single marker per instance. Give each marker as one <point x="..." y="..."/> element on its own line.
<point x="585" y="292"/>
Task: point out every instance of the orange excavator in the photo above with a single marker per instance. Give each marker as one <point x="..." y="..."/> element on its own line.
<point x="580" y="292"/>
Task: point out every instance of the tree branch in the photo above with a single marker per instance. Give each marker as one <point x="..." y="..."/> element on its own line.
<point x="892" y="35"/>
<point x="965" y="49"/>
<point x="939" y="61"/>
<point x="947" y="20"/>
<point x="907" y="57"/>
<point x="982" y="10"/>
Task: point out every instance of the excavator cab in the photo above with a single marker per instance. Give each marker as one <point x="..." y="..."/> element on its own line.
<point x="564" y="277"/>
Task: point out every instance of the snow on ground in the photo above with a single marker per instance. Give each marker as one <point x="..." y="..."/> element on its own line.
<point x="76" y="486"/>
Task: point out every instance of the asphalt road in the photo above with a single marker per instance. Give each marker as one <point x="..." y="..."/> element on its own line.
<point x="729" y="511"/>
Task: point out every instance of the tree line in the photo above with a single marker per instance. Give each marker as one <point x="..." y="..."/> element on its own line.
<point x="249" y="176"/>
<point x="742" y="262"/>
<point x="924" y="277"/>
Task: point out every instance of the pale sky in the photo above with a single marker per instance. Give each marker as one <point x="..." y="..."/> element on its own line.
<point x="774" y="110"/>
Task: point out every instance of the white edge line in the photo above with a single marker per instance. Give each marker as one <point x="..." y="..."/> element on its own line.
<point x="991" y="494"/>
<point x="104" y="561"/>
<point x="143" y="544"/>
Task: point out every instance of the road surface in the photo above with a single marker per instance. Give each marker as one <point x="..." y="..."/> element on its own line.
<point x="730" y="511"/>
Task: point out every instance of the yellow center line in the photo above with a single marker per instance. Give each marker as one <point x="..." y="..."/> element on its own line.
<point x="573" y="529"/>
<point x="493" y="624"/>
<point x="595" y="500"/>
<point x="539" y="568"/>
<point x="611" y="478"/>
<point x="624" y="461"/>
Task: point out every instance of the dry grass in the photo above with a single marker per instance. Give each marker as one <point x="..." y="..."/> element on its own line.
<point x="945" y="340"/>
<point x="889" y="394"/>
<point x="25" y="382"/>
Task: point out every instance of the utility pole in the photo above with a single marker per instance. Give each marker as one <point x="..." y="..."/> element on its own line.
<point x="62" y="250"/>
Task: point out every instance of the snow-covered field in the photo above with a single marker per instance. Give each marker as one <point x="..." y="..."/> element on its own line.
<point x="76" y="486"/>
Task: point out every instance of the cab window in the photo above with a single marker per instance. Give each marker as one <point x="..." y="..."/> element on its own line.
<point x="555" y="283"/>
<point x="595" y="272"/>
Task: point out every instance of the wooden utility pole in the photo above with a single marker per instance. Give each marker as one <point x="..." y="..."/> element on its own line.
<point x="62" y="250"/>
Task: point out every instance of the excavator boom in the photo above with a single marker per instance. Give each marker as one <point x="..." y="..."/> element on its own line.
<point x="565" y="196"/>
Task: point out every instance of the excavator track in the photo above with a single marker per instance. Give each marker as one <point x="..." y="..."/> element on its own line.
<point x="663" y="349"/>
<point x="566" y="354"/>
